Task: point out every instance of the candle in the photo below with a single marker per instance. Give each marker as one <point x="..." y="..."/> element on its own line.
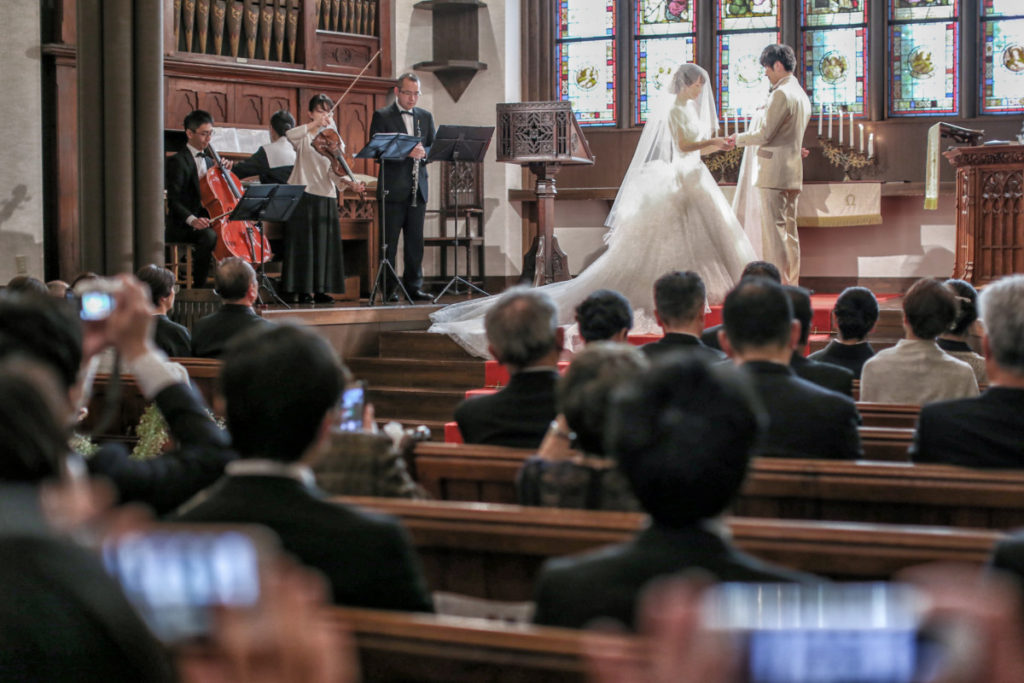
<point x="830" y="122"/>
<point x="725" y="125"/>
<point x="840" y="127"/>
<point x="861" y="126"/>
<point x="852" y="141"/>
<point x="736" y="122"/>
<point x="871" y="146"/>
<point x="821" y="115"/>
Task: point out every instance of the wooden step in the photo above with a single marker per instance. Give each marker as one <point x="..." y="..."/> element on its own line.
<point x="415" y="404"/>
<point x="406" y="372"/>
<point x="420" y="344"/>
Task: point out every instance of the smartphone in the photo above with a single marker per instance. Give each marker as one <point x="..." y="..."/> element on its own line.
<point x="176" y="575"/>
<point x="96" y="305"/>
<point x="829" y="633"/>
<point x="352" y="403"/>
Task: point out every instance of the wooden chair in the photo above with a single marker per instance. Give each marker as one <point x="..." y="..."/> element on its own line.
<point x="180" y="263"/>
<point x="192" y="304"/>
<point x="462" y="186"/>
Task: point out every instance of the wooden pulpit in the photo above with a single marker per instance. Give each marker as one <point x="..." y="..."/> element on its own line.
<point x="543" y="136"/>
<point x="989" y="211"/>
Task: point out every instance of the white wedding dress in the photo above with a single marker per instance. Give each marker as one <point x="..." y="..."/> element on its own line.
<point x="669" y="215"/>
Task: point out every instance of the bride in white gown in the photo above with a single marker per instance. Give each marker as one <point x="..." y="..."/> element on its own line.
<point x="669" y="215"/>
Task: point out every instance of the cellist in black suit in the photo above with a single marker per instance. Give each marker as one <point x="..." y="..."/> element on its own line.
<point x="403" y="116"/>
<point x="187" y="220"/>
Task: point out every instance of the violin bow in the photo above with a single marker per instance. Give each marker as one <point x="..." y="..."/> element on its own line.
<point x="356" y="80"/>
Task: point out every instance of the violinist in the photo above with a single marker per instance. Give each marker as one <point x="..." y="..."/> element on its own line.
<point x="273" y="162"/>
<point x="187" y="220"/>
<point x="312" y="255"/>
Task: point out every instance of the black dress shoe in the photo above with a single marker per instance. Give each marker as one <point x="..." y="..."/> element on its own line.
<point x="393" y="299"/>
<point x="321" y="298"/>
<point x="420" y="295"/>
<point x="304" y="299"/>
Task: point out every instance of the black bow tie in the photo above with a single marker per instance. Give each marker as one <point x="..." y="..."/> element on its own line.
<point x="406" y="113"/>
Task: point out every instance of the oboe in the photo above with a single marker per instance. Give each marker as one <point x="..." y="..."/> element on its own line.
<point x="416" y="172"/>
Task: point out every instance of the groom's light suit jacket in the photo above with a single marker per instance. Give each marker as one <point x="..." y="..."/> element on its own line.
<point x="780" y="136"/>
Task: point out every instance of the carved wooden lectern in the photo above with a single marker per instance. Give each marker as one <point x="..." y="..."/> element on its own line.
<point x="989" y="211"/>
<point x="543" y="136"/>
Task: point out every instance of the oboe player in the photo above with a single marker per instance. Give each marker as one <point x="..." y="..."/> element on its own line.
<point x="405" y="180"/>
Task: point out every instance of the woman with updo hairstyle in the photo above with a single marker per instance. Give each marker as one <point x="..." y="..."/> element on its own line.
<point x="954" y="341"/>
<point x="605" y="315"/>
<point x="572" y="469"/>
<point x="855" y="313"/>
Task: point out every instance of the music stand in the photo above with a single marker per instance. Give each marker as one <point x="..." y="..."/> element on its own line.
<point x="386" y="147"/>
<point x="455" y="144"/>
<point x="271" y="203"/>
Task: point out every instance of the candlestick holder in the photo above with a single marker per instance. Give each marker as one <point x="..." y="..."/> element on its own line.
<point x="846" y="158"/>
<point x="722" y="163"/>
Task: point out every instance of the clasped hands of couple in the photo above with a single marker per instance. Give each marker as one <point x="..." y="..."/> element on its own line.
<point x="724" y="143"/>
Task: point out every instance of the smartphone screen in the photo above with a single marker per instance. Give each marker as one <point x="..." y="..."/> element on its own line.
<point x="174" y="576"/>
<point x="352" y="403"/>
<point x="831" y="633"/>
<point x="96" y="305"/>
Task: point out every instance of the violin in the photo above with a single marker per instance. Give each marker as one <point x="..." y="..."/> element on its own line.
<point x="220" y="191"/>
<point x="328" y="143"/>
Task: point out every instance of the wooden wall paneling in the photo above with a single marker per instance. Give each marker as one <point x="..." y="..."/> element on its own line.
<point x="254" y="104"/>
<point x="183" y="95"/>
<point x="65" y="171"/>
<point x="348" y="54"/>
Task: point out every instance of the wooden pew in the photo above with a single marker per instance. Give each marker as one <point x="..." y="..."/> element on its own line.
<point x="395" y="646"/>
<point x="862" y="491"/>
<point x="495" y="551"/>
<point x="487" y="473"/>
<point x="898" y="493"/>
<point x="202" y="373"/>
<point x="888" y="414"/>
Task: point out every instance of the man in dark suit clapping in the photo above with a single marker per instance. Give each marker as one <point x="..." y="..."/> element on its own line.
<point x="397" y="178"/>
<point x="187" y="220"/>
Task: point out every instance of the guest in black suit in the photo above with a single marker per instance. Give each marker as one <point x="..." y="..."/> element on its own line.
<point x="171" y="338"/>
<point x="47" y="330"/>
<point x="984" y="431"/>
<point x="397" y="212"/>
<point x="236" y="285"/>
<point x="281" y="386"/>
<point x="826" y="375"/>
<point x="752" y="269"/>
<point x="524" y="336"/>
<point x="273" y="161"/>
<point x="682" y="432"/>
<point x="679" y="305"/>
<point x="187" y="220"/>
<point x="804" y="419"/>
<point x="605" y="315"/>
<point x="856" y="312"/>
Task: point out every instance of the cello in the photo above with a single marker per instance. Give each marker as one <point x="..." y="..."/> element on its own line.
<point x="220" y="191"/>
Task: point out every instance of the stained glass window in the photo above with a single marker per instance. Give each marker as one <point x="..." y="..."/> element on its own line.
<point x="663" y="39"/>
<point x="742" y="85"/>
<point x="1002" y="79"/>
<point x="915" y="10"/>
<point x="1001" y="8"/>
<point x="660" y="17"/>
<point x="745" y="28"/>
<point x="656" y="60"/>
<point x="585" y="53"/>
<point x="924" y="69"/>
<point x="745" y="15"/>
<point x="835" y="12"/>
<point x="835" y="69"/>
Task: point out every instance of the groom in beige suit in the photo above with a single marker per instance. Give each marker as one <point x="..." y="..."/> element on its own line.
<point x="779" y="135"/>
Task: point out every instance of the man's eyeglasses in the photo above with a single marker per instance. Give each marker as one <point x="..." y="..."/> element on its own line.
<point x="410" y="93"/>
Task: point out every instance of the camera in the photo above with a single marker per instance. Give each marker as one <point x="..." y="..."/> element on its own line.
<point x="826" y="633"/>
<point x="96" y="298"/>
<point x="176" y="575"/>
